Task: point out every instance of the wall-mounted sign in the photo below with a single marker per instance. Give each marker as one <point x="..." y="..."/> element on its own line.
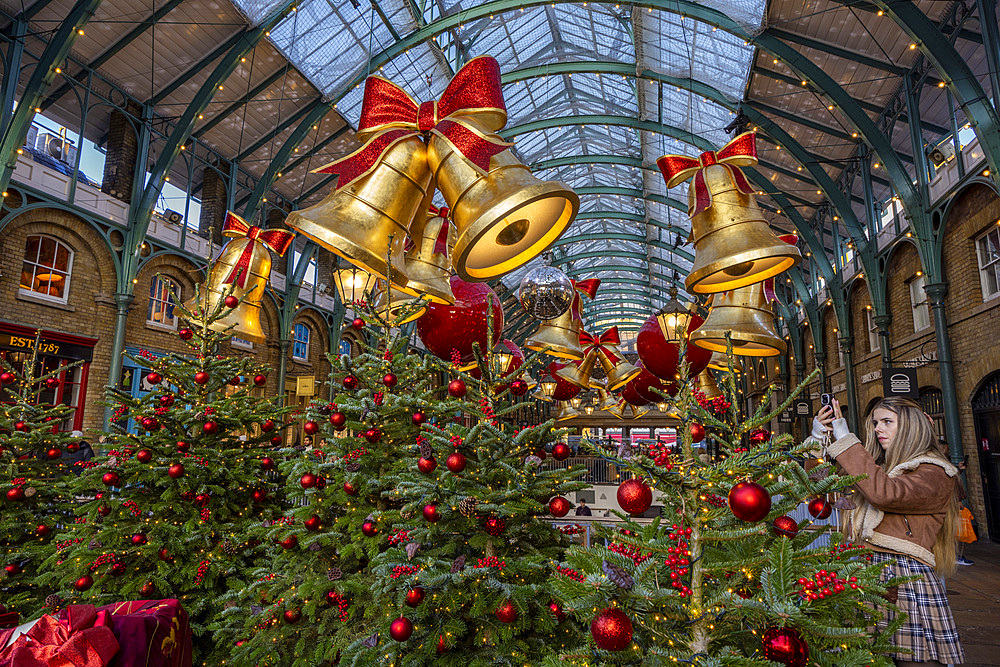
<point x="305" y="385"/>
<point x="802" y="408"/>
<point x="785" y="417"/>
<point x="871" y="377"/>
<point x="897" y="381"/>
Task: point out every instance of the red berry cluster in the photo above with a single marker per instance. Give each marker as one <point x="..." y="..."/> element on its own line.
<point x="825" y="584"/>
<point x="103" y="559"/>
<point x="660" y="454"/>
<point x="456" y="441"/>
<point x="740" y="449"/>
<point x="162" y="410"/>
<point x="387" y="356"/>
<point x="205" y="514"/>
<point x="378" y="397"/>
<point x="68" y="543"/>
<point x="147" y="355"/>
<point x="572" y="529"/>
<point x="399" y="537"/>
<point x="487" y="410"/>
<point x="714" y="500"/>
<point x="80" y="520"/>
<point x="202" y="571"/>
<point x="268" y="577"/>
<point x="403" y="571"/>
<point x="569" y="572"/>
<point x="456" y="357"/>
<point x="678" y="560"/>
<point x="629" y="551"/>
<point x="356" y="454"/>
<point x="717" y="405"/>
<point x="132" y="507"/>
<point x="120" y="411"/>
<point x="341" y="602"/>
<point x="491" y="561"/>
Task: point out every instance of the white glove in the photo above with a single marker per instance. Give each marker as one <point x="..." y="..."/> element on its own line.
<point x="819" y="431"/>
<point x="840" y="428"/>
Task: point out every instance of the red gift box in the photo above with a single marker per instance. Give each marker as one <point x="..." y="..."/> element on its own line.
<point x="151" y="633"/>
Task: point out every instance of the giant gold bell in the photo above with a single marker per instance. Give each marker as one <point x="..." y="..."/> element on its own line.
<point x="705" y="383"/>
<point x="567" y="411"/>
<point x="579" y="373"/>
<point x="606" y="400"/>
<point x="245" y="317"/>
<point x="618" y="370"/>
<point x="745" y="315"/>
<point x="429" y="272"/>
<point x="367" y="220"/>
<point x="558" y="337"/>
<point x="505" y="218"/>
<point x="396" y="306"/>
<point x="734" y="246"/>
<point x="720" y="362"/>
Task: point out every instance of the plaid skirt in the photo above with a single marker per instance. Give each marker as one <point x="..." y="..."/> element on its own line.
<point x="929" y="630"/>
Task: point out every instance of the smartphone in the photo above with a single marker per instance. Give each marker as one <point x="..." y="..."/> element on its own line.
<point x="826" y="399"/>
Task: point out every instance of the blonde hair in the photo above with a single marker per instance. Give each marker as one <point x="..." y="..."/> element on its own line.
<point x="915" y="437"/>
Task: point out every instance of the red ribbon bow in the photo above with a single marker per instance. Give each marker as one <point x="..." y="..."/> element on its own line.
<point x="587" y="287"/>
<point x="441" y="244"/>
<point x="769" y="293"/>
<point x="389" y="115"/>
<point x="85" y="639"/>
<point x="235" y="227"/>
<point x="740" y="152"/>
<point x="599" y="343"/>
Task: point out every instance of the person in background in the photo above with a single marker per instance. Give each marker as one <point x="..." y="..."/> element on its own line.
<point x="966" y="535"/>
<point x="84" y="453"/>
<point x="582" y="509"/>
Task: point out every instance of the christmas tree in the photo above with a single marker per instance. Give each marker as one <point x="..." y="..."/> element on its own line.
<point x="725" y="576"/>
<point x="166" y="513"/>
<point x="33" y="452"/>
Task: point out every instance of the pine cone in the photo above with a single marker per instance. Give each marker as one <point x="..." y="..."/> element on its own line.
<point x="407" y="514"/>
<point x="52" y="600"/>
<point x="229" y="548"/>
<point x="468" y="507"/>
<point x="618" y="576"/>
<point x="426" y="450"/>
<point x="95" y="544"/>
<point x="458" y="565"/>
<point x="353" y="467"/>
<point x="371" y="642"/>
<point x="334" y="573"/>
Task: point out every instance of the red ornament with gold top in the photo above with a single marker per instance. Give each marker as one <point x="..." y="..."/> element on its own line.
<point x="611" y="629"/>
<point x="445" y="328"/>
<point x="662" y="357"/>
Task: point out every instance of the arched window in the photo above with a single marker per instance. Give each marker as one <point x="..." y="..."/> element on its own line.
<point x="300" y="350"/>
<point x="47" y="266"/>
<point x="161" y="302"/>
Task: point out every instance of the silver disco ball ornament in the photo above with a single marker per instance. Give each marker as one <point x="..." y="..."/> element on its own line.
<point x="545" y="292"/>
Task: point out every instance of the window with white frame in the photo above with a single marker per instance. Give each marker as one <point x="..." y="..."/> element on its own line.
<point x="988" y="253"/>
<point x="46" y="269"/>
<point x="300" y="349"/>
<point x="918" y="299"/>
<point x="161" y="302"/>
<point x="874" y="341"/>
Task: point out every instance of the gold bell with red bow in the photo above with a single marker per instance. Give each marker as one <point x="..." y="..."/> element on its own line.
<point x="705" y="383"/>
<point x="560" y="336"/>
<point x="579" y="373"/>
<point x="746" y="316"/>
<point x="427" y="265"/>
<point x="734" y="245"/>
<point x="616" y="367"/>
<point x="244" y="264"/>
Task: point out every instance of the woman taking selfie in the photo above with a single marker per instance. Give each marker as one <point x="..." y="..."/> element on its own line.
<point x="906" y="513"/>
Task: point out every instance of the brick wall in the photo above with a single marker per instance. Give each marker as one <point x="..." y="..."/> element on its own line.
<point x="122" y="152"/>
<point x="214" y="202"/>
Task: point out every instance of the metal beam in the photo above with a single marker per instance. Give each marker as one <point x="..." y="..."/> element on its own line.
<point x="792" y="81"/>
<point x="801" y="120"/>
<point x="232" y="108"/>
<point x="834" y="50"/>
<point x="192" y="71"/>
<point x="299" y="114"/>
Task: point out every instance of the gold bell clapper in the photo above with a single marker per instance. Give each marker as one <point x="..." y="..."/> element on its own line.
<point x="579" y="372"/>
<point x="705" y="383"/>
<point x="605" y="401"/>
<point x="242" y="270"/>
<point x="427" y="265"/>
<point x="396" y="306"/>
<point x="734" y="245"/>
<point x="746" y="316"/>
<point x="567" y="411"/>
<point x="720" y="362"/>
<point x="617" y="369"/>
<point x="560" y="336"/>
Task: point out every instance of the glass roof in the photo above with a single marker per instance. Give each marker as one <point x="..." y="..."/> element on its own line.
<point x="331" y="43"/>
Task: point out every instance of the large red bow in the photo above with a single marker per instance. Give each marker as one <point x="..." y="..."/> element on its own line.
<point x="235" y="227"/>
<point x="740" y="152"/>
<point x="599" y="343"/>
<point x="587" y="287"/>
<point x="85" y="639"/>
<point x="389" y="115"/>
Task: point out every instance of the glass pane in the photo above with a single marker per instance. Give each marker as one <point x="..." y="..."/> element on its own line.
<point x="62" y="258"/>
<point x="31" y="248"/>
<point x="991" y="280"/>
<point x="47" y="252"/>
<point x="28" y="276"/>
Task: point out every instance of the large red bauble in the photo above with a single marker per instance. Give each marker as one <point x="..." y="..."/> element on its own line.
<point x="313" y="523"/>
<point x="292" y="616"/>
<point x="12" y="569"/>
<point x="697" y="432"/>
<point x="784" y="645"/>
<point x="53" y="453"/>
<point x="148" y="589"/>
<point x="565" y="390"/>
<point x="166" y="400"/>
<point x="104" y="510"/>
<point x="559" y="506"/>
<point x="611" y="629"/>
<point x="201" y="377"/>
<point x="557" y="611"/>
<point x="494" y="525"/>
<point x="661" y="358"/>
<point x="176" y="470"/>
<point x="760" y="435"/>
<point x="350" y="489"/>
<point x="506" y="612"/>
<point x="401" y="629"/>
<point x="819" y="508"/>
<point x="21" y="426"/>
<point x="390" y="380"/>
<point x="290" y="542"/>
<point x="260" y="380"/>
<point x="630" y="393"/>
<point x="154" y="378"/>
<point x="431" y="512"/>
<point x="426" y="466"/>
<point x="634" y="496"/>
<point x="183" y="446"/>
<point x="455" y="462"/>
<point x="185" y="334"/>
<point x="337" y="420"/>
<point x="418" y="418"/>
<point x="51" y="383"/>
<point x="210" y="428"/>
<point x="42" y="530"/>
<point x="277" y="440"/>
<point x="164" y="555"/>
<point x="358" y="323"/>
<point x="7" y="378"/>
<point x="369" y="529"/>
<point x="308" y="480"/>
<point x="519" y="387"/>
<point x="310" y="428"/>
<point x="16" y="493"/>
<point x="560" y="452"/>
<point x="150" y="423"/>
<point x="138" y="539"/>
<point x="651" y="387"/>
<point x="749" y="501"/>
<point x="456" y="389"/>
<point x="373" y="435"/>
<point x="267" y="463"/>
<point x="83" y="583"/>
<point x="144" y="456"/>
<point x="351" y="382"/>
<point x="414" y="596"/>
<point x="444" y="327"/>
<point x="259" y="495"/>
<point x="231" y="301"/>
<point x="785" y="526"/>
<point x="110" y="479"/>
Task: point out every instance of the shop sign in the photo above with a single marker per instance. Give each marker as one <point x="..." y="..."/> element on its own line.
<point x="900" y="381"/>
<point x="920" y="360"/>
<point x="51" y="348"/>
<point x="802" y="409"/>
<point x="837" y="388"/>
<point x="305" y="385"/>
<point x="785" y="417"/>
<point x="871" y="377"/>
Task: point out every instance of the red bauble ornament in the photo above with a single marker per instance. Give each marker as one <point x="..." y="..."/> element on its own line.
<point x="431" y="513"/>
<point x="494" y="525"/>
<point x="611" y="629"/>
<point x="164" y="555"/>
<point x="144" y="456"/>
<point x="292" y="616"/>
<point x="819" y="508"/>
<point x="53" y="453"/>
<point x="235" y="381"/>
<point x="506" y="612"/>
<point x="110" y="479"/>
<point x="351" y="382"/>
<point x="260" y="380"/>
<point x="277" y="440"/>
<point x="390" y="380"/>
<point x="313" y="523"/>
<point x="267" y="425"/>
<point x="166" y="400"/>
<point x="369" y="529"/>
<point x="559" y="506"/>
<point x="72" y="448"/>
<point x="210" y="428"/>
<point x="350" y="489"/>
<point x="519" y="387"/>
<point x="373" y="435"/>
<point x="183" y="446"/>
<point x="561" y="452"/>
<point x="289" y="542"/>
<point x="634" y="496"/>
<point x="154" y="378"/>
<point x="426" y="466"/>
<point x="138" y="539"/>
<point x="442" y="647"/>
<point x="176" y="470"/>
<point x="697" y="432"/>
<point x="201" y="377"/>
<point x="557" y="611"/>
<point x="185" y="334"/>
<point x="147" y="590"/>
<point x="231" y="301"/>
<point x="16" y="493"/>
<point x="51" y="383"/>
<point x="337" y="420"/>
<point x="267" y="463"/>
<point x="651" y="388"/>
<point x="785" y="526"/>
<point x="42" y="530"/>
<point x="103" y="510"/>
<point x="456" y="389"/>
<point x="414" y="596"/>
<point x="418" y="418"/>
<point x="749" y="501"/>
<point x="784" y="645"/>
<point x="308" y="480"/>
<point x="358" y="323"/>
<point x="565" y="390"/>
<point x="259" y="495"/>
<point x="310" y="427"/>
<point x="7" y="378"/>
<point x="444" y="327"/>
<point x="13" y="569"/>
<point x="759" y="436"/>
<point x="401" y="629"/>
<point x="21" y="426"/>
<point x="150" y="423"/>
<point x="455" y="462"/>
<point x="83" y="583"/>
<point x="661" y="358"/>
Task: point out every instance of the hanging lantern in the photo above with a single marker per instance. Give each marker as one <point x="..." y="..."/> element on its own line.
<point x="674" y="318"/>
<point x="576" y="402"/>
<point x="734" y="245"/>
<point x="663" y="407"/>
<point x="560" y="337"/>
<point x="427" y="265"/>
<point x="746" y="316"/>
<point x="589" y="409"/>
<point x="244" y="263"/>
<point x="616" y="367"/>
<point x="705" y="383"/>
<point x="353" y="284"/>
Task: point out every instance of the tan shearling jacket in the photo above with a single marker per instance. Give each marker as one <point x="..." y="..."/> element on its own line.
<point x="905" y="506"/>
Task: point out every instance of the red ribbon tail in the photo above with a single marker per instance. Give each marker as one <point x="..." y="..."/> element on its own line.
<point x="478" y="150"/>
<point x="769" y="292"/>
<point x="740" y="179"/>
<point x="703" y="198"/>
<point x="242" y="267"/>
<point x="441" y="243"/>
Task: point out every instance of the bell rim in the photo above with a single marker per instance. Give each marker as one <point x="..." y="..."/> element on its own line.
<point x="619" y="382"/>
<point x="696" y="279"/>
<point x="432" y="293"/>
<point x="767" y="350"/>
<point x="554" y="350"/>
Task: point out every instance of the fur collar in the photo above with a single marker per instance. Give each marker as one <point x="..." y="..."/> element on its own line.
<point x="913" y="464"/>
